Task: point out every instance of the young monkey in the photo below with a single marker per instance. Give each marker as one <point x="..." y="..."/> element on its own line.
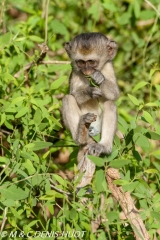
<point x="91" y="56"/>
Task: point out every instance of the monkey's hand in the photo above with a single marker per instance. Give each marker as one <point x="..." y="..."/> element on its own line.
<point x="96" y="149"/>
<point x="84" y="123"/>
<point x="94" y="92"/>
<point x="97" y="77"/>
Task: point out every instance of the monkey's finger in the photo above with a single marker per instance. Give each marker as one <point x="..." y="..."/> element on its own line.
<point x="90" y="117"/>
<point x="97" y="77"/>
<point x="96" y="93"/>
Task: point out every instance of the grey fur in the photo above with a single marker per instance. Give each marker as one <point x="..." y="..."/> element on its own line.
<point x="82" y="104"/>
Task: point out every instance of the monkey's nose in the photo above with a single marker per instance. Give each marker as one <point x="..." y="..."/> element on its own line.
<point x="87" y="72"/>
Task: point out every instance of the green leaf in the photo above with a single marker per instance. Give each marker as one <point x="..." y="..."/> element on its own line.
<point x="15" y="213"/>
<point x="22" y="112"/>
<point x="13" y="192"/>
<point x="29" y="166"/>
<point x="152" y="135"/>
<point x="16" y="100"/>
<point x="5" y="39"/>
<point x="156" y="154"/>
<point x="124" y="18"/>
<point x="156" y="215"/>
<point x="152" y="71"/>
<point x="157" y="165"/>
<point x="119" y="163"/>
<point x="139" y="85"/>
<point x="99" y="162"/>
<point x="59" y="179"/>
<point x="121" y="182"/>
<point x="73" y="214"/>
<point x="8" y="125"/>
<point x="99" y="178"/>
<point x="137" y="8"/>
<point x="32" y="157"/>
<point x="86" y="226"/>
<point x="58" y="27"/>
<point x="147" y="14"/>
<point x="131" y="186"/>
<point x="123" y="122"/>
<point x="3" y="118"/>
<point x="35" y="38"/>
<point x="141" y="140"/>
<point x="38" y="145"/>
<point x="111" y="216"/>
<point x="37" y="116"/>
<point x="151" y="170"/>
<point x="97" y="137"/>
<point x="9" y="203"/>
<point x="57" y="83"/>
<point x="55" y="121"/>
<point x="134" y="100"/>
<point x="32" y="223"/>
<point x="148" y="117"/>
<point x="110" y="6"/>
<point x="157" y="87"/>
<point x="4" y="160"/>
<point x="153" y="104"/>
<point x="94" y="11"/>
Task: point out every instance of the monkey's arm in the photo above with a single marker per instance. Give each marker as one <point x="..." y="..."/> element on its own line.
<point x="107" y="81"/>
<point x="82" y="91"/>
<point x="109" y="86"/>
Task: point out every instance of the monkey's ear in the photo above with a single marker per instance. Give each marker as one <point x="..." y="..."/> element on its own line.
<point x="67" y="46"/>
<point x="111" y="49"/>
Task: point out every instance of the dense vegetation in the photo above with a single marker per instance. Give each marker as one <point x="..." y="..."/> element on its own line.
<point x="38" y="155"/>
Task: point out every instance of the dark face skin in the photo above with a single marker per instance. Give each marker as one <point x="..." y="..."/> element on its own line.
<point x="87" y="67"/>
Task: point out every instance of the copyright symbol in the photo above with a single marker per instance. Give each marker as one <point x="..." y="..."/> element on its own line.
<point x="4" y="234"/>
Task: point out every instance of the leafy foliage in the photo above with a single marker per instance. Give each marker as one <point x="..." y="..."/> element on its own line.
<point x="36" y="172"/>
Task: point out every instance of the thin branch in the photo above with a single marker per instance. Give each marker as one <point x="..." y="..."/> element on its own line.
<point x="46" y="21"/>
<point x="59" y="190"/>
<point x="55" y="62"/>
<point x="4" y="218"/>
<point x="29" y="65"/>
<point x="149" y="3"/>
<point x="127" y="205"/>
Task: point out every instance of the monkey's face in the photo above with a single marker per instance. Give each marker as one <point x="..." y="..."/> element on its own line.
<point x="90" y="51"/>
<point x="87" y="67"/>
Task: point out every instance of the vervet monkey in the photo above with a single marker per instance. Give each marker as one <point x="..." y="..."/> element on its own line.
<point x="91" y="56"/>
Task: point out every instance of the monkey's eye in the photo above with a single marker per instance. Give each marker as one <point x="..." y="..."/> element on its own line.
<point x="92" y="63"/>
<point x="80" y="63"/>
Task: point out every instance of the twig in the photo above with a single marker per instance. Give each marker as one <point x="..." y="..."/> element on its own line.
<point x="2" y="22"/>
<point x="46" y="21"/>
<point x="55" y="62"/>
<point x="59" y="190"/>
<point x="127" y="205"/>
<point x="149" y="3"/>
<point x="29" y="65"/>
<point x="4" y="218"/>
<point x="143" y="23"/>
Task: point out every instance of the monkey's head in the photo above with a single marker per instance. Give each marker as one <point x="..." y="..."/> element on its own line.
<point x="90" y="51"/>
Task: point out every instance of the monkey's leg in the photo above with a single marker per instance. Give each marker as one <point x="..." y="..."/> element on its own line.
<point x="77" y="124"/>
<point x="108" y="129"/>
<point x="71" y="114"/>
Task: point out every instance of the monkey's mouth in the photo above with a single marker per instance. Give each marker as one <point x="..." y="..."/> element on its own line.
<point x="87" y="72"/>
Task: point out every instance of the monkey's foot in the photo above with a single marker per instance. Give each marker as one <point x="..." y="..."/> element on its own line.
<point x="84" y="124"/>
<point x="96" y="149"/>
<point x="88" y="118"/>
